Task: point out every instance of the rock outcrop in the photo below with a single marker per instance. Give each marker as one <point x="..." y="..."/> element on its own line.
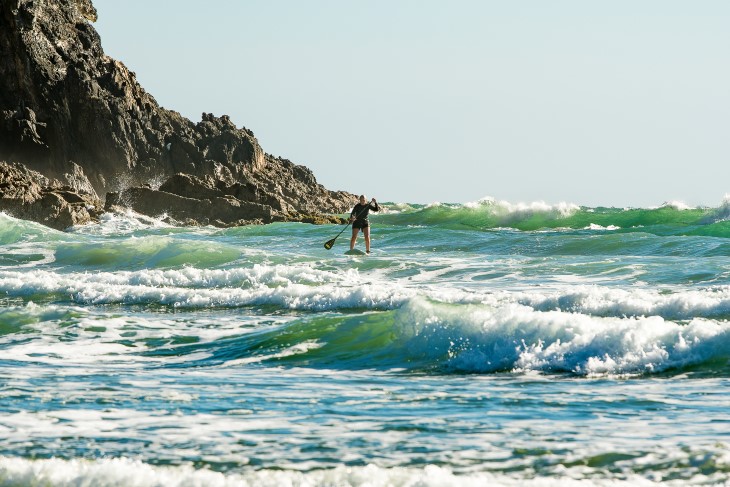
<point x="29" y="195"/>
<point x="81" y="118"/>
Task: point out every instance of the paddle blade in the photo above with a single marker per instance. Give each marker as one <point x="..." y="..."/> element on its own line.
<point x="330" y="243"/>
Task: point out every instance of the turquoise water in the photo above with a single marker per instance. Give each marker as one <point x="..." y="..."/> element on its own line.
<point x="479" y="344"/>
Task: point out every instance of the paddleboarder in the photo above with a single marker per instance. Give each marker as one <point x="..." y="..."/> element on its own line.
<point x="359" y="219"/>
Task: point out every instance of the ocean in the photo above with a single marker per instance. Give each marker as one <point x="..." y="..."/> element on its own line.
<point x="485" y="343"/>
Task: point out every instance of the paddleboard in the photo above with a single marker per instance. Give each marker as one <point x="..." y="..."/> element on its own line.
<point x="355" y="252"/>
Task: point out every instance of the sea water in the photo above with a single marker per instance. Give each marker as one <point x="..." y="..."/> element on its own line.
<point x="479" y="344"/>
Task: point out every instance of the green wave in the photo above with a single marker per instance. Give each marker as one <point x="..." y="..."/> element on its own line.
<point x="15" y="319"/>
<point x="428" y="337"/>
<point x="157" y="252"/>
<point x="14" y="231"/>
<point x="486" y="215"/>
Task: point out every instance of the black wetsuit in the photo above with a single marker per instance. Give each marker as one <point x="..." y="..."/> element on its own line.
<point x="361" y="214"/>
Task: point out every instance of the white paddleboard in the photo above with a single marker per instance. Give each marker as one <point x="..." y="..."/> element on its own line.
<point x="355" y="252"/>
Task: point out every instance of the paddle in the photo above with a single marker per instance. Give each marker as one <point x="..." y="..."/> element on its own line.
<point x="328" y="245"/>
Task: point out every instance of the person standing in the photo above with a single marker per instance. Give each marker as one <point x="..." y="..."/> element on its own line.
<point x="359" y="219"/>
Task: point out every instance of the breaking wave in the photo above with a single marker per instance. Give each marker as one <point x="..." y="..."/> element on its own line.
<point x="669" y="219"/>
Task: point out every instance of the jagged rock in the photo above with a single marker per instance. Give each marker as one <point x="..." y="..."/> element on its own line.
<point x="219" y="211"/>
<point x="29" y="195"/>
<point x="86" y="9"/>
<point x="191" y="187"/>
<point x="291" y="182"/>
<point x="68" y="110"/>
<point x="78" y="180"/>
<point x="318" y="219"/>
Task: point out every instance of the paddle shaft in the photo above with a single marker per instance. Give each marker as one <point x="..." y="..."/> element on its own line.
<point x="342" y="231"/>
<point x="348" y="224"/>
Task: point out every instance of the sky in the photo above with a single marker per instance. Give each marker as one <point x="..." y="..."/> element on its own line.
<point x="612" y="103"/>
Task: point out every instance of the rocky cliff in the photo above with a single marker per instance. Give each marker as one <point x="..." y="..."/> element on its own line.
<point x="81" y="119"/>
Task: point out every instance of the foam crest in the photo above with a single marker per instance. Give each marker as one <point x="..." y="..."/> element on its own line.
<point x="518" y="338"/>
<point x="677" y="205"/>
<point x="608" y="301"/>
<point x="305" y="287"/>
<point x="397" y="207"/>
<point x="561" y="209"/>
<point x="121" y="222"/>
<point x="723" y="211"/>
<point x="288" y="286"/>
<point x="123" y="472"/>
<point x="594" y="226"/>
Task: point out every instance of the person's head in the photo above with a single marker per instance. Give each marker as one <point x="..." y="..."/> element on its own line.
<point x="363" y="200"/>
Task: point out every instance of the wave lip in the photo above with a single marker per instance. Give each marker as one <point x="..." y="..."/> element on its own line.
<point x="517" y="338"/>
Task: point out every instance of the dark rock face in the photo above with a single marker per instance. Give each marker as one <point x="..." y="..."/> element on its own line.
<point x="78" y="116"/>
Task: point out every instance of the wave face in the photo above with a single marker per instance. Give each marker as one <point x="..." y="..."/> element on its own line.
<point x="486" y="214"/>
<point x="483" y="343"/>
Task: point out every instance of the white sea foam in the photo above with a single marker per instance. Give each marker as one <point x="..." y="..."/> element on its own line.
<point x="494" y="334"/>
<point x="677" y="205"/>
<point x="594" y="226"/>
<point x="304" y="287"/>
<point x="479" y="338"/>
<point x="122" y="222"/>
<point x="65" y="335"/>
<point x="610" y="301"/>
<point x="562" y="209"/>
<point x="723" y="212"/>
<point x="295" y="287"/>
<point x="122" y="472"/>
<point x="586" y="330"/>
<point x="392" y="208"/>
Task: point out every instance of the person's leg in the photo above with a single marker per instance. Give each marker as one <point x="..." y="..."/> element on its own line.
<point x="366" y="233"/>
<point x="354" y="237"/>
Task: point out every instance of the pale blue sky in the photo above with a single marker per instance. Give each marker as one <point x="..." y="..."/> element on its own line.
<point x="616" y="103"/>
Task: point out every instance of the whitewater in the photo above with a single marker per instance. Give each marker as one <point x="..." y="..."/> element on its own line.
<point x="486" y="343"/>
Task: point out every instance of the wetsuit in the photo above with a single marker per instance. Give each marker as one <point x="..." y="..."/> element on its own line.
<point x="361" y="214"/>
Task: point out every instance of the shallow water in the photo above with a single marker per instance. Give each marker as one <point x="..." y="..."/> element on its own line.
<point x="485" y="343"/>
